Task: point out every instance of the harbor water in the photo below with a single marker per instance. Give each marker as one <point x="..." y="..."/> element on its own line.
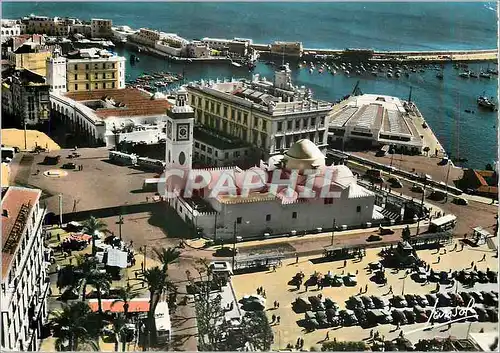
<point x="383" y="26"/>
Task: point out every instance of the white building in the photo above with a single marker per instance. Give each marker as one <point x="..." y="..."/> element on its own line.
<point x="264" y="210"/>
<point x="375" y="120"/>
<point x="121" y="33"/>
<point x="101" y="28"/>
<point x="197" y="49"/>
<point x="169" y="43"/>
<point x="25" y="284"/>
<point x="106" y="117"/>
<point x="271" y="116"/>
<point x="56" y="72"/>
<point x="10" y="28"/>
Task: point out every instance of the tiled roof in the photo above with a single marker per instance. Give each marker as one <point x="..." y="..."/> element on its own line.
<point x="15" y="200"/>
<point x="137" y="103"/>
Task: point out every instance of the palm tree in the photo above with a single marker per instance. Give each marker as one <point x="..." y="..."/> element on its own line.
<point x="158" y="283"/>
<point x="101" y="282"/>
<point x="119" y="330"/>
<point x="77" y="325"/>
<point x="91" y="226"/>
<point x="125" y="295"/>
<point x="167" y="256"/>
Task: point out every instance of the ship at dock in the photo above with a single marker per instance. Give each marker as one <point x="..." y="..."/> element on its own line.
<point x="486" y="103"/>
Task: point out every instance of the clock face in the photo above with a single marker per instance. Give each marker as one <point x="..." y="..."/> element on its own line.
<point x="169" y="130"/>
<point x="183" y="132"/>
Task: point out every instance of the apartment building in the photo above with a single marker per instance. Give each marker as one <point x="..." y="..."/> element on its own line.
<point x="101" y="28"/>
<point x="29" y="97"/>
<point x="94" y="69"/>
<point x="27" y="52"/>
<point x="25" y="284"/>
<point x="270" y="116"/>
<point x="55" y="26"/>
<point x="10" y="28"/>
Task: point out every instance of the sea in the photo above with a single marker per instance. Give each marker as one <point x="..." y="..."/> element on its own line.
<point x="338" y="25"/>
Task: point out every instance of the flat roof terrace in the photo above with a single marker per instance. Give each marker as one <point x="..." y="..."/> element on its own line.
<point x="127" y="102"/>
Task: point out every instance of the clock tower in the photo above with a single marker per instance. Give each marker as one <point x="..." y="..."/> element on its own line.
<point x="180" y="124"/>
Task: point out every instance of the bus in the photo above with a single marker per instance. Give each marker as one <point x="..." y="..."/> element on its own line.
<point x="162" y="321"/>
<point x="443" y="224"/>
<point x="122" y="158"/>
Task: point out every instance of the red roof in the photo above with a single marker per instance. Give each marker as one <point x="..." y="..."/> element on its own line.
<point x="135" y="305"/>
<point x="14" y="200"/>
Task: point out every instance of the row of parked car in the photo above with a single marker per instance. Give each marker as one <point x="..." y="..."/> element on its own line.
<point x="469" y="277"/>
<point x="328" y="280"/>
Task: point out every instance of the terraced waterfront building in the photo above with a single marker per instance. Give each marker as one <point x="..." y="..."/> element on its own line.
<point x="270" y="116"/>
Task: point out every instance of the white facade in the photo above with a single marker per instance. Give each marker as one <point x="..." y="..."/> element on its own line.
<point x="56" y="73"/>
<point x="121" y="33"/>
<point x="271" y="116"/>
<point x="10" y="28"/>
<point x="179" y="142"/>
<point x="25" y="283"/>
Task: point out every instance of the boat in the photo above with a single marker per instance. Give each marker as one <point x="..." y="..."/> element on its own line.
<point x="473" y="74"/>
<point x="389" y="74"/>
<point x="492" y="71"/>
<point x="484" y="75"/>
<point x="235" y="64"/>
<point x="347" y="72"/>
<point x="358" y="72"/>
<point x="333" y="72"/>
<point x="374" y="73"/>
<point x="464" y="74"/>
<point x="440" y="75"/>
<point x="311" y="70"/>
<point x="397" y="74"/>
<point x="484" y="102"/>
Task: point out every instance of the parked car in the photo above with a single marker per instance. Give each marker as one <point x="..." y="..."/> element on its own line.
<point x="301" y="305"/>
<point x="489" y="299"/>
<point x="333" y="317"/>
<point x="361" y="316"/>
<point x="410" y="300"/>
<point x="444" y="299"/>
<point x="348" y="318"/>
<point x="69" y="166"/>
<point x="492" y="314"/>
<point x="368" y="302"/>
<point x="374" y="237"/>
<point x="375" y="266"/>
<point x="420" y="315"/>
<point x="330" y="304"/>
<point x="399" y="317"/>
<point x="395" y="183"/>
<point x="466" y="297"/>
<point x="421" y="300"/>
<point x="379" y="302"/>
<point x="399" y="301"/>
<point x="410" y="316"/>
<point x="478" y="298"/>
<point x="492" y="276"/>
<point x="417" y="188"/>
<point x="456" y="299"/>
<point x="350" y="280"/>
<point x="378" y="316"/>
<point x="431" y="298"/>
<point x="482" y="277"/>
<point x="482" y="315"/>
<point x="322" y="319"/>
<point x="460" y="201"/>
<point x="316" y="303"/>
<point x="354" y="303"/>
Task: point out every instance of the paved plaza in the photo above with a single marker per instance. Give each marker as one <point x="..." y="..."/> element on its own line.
<point x="276" y="287"/>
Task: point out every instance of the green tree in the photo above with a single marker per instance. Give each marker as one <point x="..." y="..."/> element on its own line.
<point x="158" y="283"/>
<point x="167" y="256"/>
<point x="101" y="282"/>
<point x="343" y="346"/>
<point x="120" y="331"/>
<point x="257" y="330"/>
<point x="91" y="227"/>
<point x="125" y="295"/>
<point x="76" y="326"/>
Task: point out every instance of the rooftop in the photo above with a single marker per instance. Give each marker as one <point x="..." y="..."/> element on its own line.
<point x="17" y="204"/>
<point x="120" y="102"/>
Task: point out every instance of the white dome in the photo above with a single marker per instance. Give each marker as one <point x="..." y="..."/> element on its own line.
<point x="304" y="154"/>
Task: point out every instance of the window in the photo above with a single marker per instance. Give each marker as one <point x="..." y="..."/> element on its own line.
<point x="203" y="148"/>
<point x="233" y="114"/>
<point x="86" y="66"/>
<point x="197" y="144"/>
<point x="304" y="123"/>
<point x="76" y="67"/>
<point x="209" y="150"/>
<point x="87" y="86"/>
<point x="328" y="201"/>
<point x="86" y="76"/>
<point x="104" y="85"/>
<point x="294" y="215"/>
<point x="264" y="124"/>
<point x="95" y="75"/>
<point x="225" y="111"/>
<point x="268" y="218"/>
<point x="245" y="115"/>
<point x="216" y="153"/>
<point x="255" y="122"/>
<point x="289" y="125"/>
<point x="113" y="85"/>
<point x="113" y="65"/>
<point x="76" y="77"/>
<point x="313" y="121"/>
<point x="358" y="208"/>
<point x="76" y="87"/>
<point x="322" y="121"/>
<point x="238" y="220"/>
<point x="280" y="126"/>
<point x="113" y="75"/>
<point x="226" y="155"/>
<point x="297" y="124"/>
<point x="96" y="86"/>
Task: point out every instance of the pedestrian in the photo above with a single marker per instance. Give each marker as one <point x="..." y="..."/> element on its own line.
<point x="390" y="290"/>
<point x="366" y="288"/>
<point x="70" y="260"/>
<point x="301" y="343"/>
<point x="278" y="305"/>
<point x="439" y="259"/>
<point x="298" y="343"/>
<point x="296" y="258"/>
<point x="475" y="267"/>
<point x="327" y="338"/>
<point x="360" y="290"/>
<point x="135" y="274"/>
<point x="371" y="333"/>
<point x="449" y="326"/>
<point x="59" y="237"/>
<point x="483" y="258"/>
<point x="147" y="199"/>
<point x="345" y="263"/>
<point x="398" y="326"/>
<point x="142" y="266"/>
<point x="306" y="286"/>
<point x="278" y="319"/>
<point x="357" y="271"/>
<point x="274" y="304"/>
<point x="273" y="318"/>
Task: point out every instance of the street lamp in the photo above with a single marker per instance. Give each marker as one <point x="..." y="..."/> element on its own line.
<point x="333" y="229"/>
<point x="234" y="241"/>
<point x="422" y="204"/>
<point x="447" y="176"/>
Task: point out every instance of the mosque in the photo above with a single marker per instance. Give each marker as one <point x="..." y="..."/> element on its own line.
<point x="269" y="209"/>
